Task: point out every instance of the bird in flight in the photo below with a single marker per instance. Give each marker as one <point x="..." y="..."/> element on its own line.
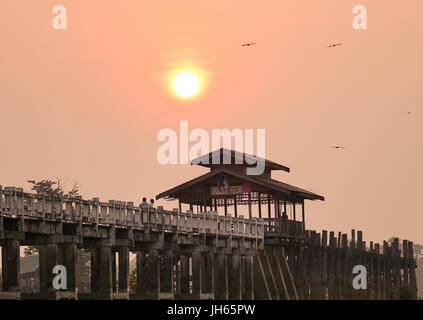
<point x="334" y="45"/>
<point x="409" y="112"/>
<point x="248" y="44"/>
<point x="338" y="147"/>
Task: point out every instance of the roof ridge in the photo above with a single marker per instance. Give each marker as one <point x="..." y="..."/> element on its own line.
<point x="268" y="163"/>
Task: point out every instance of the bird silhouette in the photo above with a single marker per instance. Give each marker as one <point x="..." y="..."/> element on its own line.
<point x="248" y="44"/>
<point x="334" y="45"/>
<point x="338" y="147"/>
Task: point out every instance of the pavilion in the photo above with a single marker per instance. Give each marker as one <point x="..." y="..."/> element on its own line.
<point x="228" y="185"/>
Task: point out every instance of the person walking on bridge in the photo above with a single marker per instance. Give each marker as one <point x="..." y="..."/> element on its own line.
<point x="144" y="203"/>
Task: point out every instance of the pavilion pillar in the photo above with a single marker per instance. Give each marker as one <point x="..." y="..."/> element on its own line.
<point x="259" y="204"/>
<point x="250" y="212"/>
<point x="295" y="217"/>
<point x="10" y="265"/>
<point x="303" y="215"/>
<point x="235" y="207"/>
<point x="277" y="212"/>
<point x="226" y="206"/>
<point x="285" y="213"/>
<point x="269" y="211"/>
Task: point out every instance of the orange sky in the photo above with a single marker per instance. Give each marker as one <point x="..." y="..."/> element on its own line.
<point x="86" y="103"/>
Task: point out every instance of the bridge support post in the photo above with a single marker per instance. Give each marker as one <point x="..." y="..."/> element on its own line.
<point x="249" y="277"/>
<point x="48" y="260"/>
<point x="153" y="271"/>
<point x="235" y="277"/>
<point x="11" y="267"/>
<point x="141" y="273"/>
<point x="114" y="280"/>
<point x="101" y="273"/>
<point x="197" y="273"/>
<point x="148" y="275"/>
<point x="123" y="272"/>
<point x="124" y="269"/>
<point x="184" y="275"/>
<point x="68" y="257"/>
<point x="167" y="287"/>
<point x="52" y="255"/>
<point x="208" y="275"/>
<point x="221" y="277"/>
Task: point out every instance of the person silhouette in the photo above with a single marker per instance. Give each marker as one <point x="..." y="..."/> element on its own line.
<point x="144" y="203"/>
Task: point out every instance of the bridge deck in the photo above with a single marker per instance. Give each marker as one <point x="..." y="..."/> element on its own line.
<point x="38" y="214"/>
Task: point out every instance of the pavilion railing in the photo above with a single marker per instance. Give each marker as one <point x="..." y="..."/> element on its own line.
<point x="284" y="227"/>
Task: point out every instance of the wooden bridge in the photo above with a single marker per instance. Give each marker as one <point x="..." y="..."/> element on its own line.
<point x="189" y="256"/>
<point x="203" y="255"/>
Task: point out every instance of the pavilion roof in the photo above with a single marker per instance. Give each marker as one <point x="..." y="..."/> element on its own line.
<point x="271" y="185"/>
<point x="207" y="159"/>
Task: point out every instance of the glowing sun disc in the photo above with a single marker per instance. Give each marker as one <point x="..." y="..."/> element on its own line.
<point x="186" y="85"/>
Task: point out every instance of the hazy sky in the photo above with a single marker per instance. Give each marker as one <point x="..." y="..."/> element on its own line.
<point x="87" y="103"/>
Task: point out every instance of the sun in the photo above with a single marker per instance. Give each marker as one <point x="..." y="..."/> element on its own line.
<point x="186" y="85"/>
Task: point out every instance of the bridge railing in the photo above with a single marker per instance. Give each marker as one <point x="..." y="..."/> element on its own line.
<point x="15" y="203"/>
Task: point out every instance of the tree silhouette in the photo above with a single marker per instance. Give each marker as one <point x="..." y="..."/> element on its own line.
<point x="51" y="189"/>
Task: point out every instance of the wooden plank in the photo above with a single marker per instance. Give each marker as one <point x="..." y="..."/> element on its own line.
<point x="290" y="276"/>
<point x="412" y="268"/>
<point x="269" y="296"/>
<point x="324" y="260"/>
<point x="406" y="263"/>
<point x="1" y="213"/>
<point x="272" y="276"/>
